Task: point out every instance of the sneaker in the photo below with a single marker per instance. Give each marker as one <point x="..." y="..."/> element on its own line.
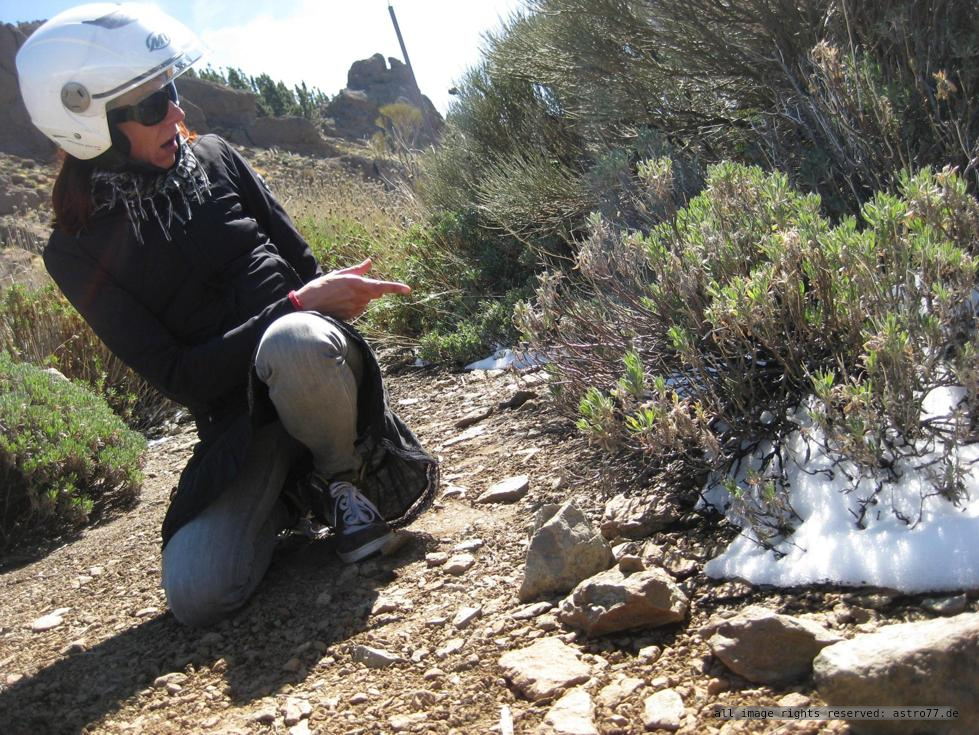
<point x="359" y="529"/>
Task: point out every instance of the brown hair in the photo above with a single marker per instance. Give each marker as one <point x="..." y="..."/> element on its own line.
<point x="71" y="198"/>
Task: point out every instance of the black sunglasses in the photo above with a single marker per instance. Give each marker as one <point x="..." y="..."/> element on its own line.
<point x="150" y="110"/>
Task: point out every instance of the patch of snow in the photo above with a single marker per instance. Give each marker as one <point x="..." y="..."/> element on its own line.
<point x="503" y="359"/>
<point x="938" y="553"/>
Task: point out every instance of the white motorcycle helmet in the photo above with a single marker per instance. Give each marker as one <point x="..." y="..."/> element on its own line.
<point x="77" y="63"/>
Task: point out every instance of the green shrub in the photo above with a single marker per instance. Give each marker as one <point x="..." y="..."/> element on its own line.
<point x="64" y="455"/>
<point x="40" y="326"/>
<point x="702" y="337"/>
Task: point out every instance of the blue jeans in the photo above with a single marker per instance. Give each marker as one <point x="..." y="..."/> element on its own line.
<point x="213" y="564"/>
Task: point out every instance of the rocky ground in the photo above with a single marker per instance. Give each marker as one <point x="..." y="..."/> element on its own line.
<point x="466" y="627"/>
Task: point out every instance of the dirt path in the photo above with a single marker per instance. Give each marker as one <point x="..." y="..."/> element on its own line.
<point x="292" y="661"/>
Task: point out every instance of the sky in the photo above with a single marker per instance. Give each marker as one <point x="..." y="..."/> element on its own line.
<point x="316" y="41"/>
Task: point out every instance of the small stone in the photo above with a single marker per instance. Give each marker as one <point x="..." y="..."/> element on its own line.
<point x="78" y="646"/>
<point x="173" y="688"/>
<point x="449" y="648"/>
<point x="384" y="605"/>
<point x="175" y="677"/>
<point x="301" y="728"/>
<point x="325" y="598"/>
<point x="436" y="558"/>
<point x="459" y="564"/>
<point x="46" y="622"/>
<point x="264" y="716"/>
<point x="716" y="685"/>
<point x="649" y="654"/>
<point x="946" y="605"/>
<point x="638" y="516"/>
<point x="147" y="612"/>
<point x="531" y="611"/>
<point x="618" y="691"/>
<point x="469" y="545"/>
<point x="629" y="563"/>
<point x="11" y="679"/>
<point x="465" y="616"/>
<point x="359" y="698"/>
<point x="473" y="417"/>
<point x="663" y="710"/>
<point x="794" y="699"/>
<point x="572" y="714"/>
<point x="455" y="491"/>
<point x="547" y="622"/>
<point x="544" y="668"/>
<point x="406" y="723"/>
<point x="96" y="571"/>
<point x="291" y="711"/>
<point x="433" y="674"/>
<point x="509" y="490"/>
<point x="374" y="658"/>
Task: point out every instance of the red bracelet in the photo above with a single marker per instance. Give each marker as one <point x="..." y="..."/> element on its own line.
<point x="296" y="302"/>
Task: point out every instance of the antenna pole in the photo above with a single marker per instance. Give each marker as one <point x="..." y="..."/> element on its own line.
<point x="404" y="50"/>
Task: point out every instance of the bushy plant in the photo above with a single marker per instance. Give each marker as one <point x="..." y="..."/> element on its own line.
<point x="64" y="455"/>
<point x="703" y="336"/>
<point x="40" y="326"/>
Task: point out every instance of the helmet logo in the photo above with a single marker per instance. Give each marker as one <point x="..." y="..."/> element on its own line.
<point x="75" y="97"/>
<point x="157" y="41"/>
<point x="116" y="19"/>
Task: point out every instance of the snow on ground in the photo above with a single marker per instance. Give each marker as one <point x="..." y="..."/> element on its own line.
<point x="507" y="358"/>
<point x="939" y="553"/>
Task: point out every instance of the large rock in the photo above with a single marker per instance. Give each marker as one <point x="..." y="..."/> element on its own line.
<point x="766" y="647"/>
<point x="931" y="663"/>
<point x="17" y="134"/>
<point x="544" y="668"/>
<point x="296" y="134"/>
<point x="225" y="110"/>
<point x="563" y="551"/>
<point x="372" y="84"/>
<point x="663" y="710"/>
<point x="611" y="602"/>
<point x="638" y="516"/>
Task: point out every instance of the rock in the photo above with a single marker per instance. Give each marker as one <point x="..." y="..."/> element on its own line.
<point x="469" y="545"/>
<point x="302" y="728"/>
<point x="473" y="417"/>
<point x="629" y="563"/>
<point x="638" y="516"/>
<point x="47" y="622"/>
<point x="930" y="663"/>
<point x="296" y="134"/>
<point x="765" y="647"/>
<point x="611" y="602"/>
<point x="544" y="668"/>
<point x="618" y="691"/>
<point x="450" y="648"/>
<point x="649" y="654"/>
<point x="147" y="612"/>
<point x="531" y="611"/>
<point x="519" y="398"/>
<point x="175" y="677"/>
<point x="663" y="710"/>
<point x="293" y="665"/>
<point x="406" y="723"/>
<point x="293" y="711"/>
<point x="564" y="550"/>
<point x="384" y="605"/>
<point x="572" y="714"/>
<point x="465" y="616"/>
<point x="459" y="564"/>
<point x="509" y="490"/>
<point x="374" y="658"/>
<point x="436" y="558"/>
<point x="264" y="716"/>
<point x="325" y="598"/>
<point x="946" y="605"/>
<point x="794" y="699"/>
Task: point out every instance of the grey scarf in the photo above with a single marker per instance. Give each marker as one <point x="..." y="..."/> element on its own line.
<point x="147" y="197"/>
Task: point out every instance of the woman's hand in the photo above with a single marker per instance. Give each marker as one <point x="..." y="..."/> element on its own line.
<point x="345" y="293"/>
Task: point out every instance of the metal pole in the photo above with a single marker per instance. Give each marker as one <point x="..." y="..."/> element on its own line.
<point x="404" y="50"/>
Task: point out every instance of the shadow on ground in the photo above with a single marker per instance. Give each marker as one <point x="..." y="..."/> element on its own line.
<point x="276" y="639"/>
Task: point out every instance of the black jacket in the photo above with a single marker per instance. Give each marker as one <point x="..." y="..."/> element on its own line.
<point x="188" y="312"/>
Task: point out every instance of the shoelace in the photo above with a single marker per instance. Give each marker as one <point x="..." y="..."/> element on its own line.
<point x="356" y="509"/>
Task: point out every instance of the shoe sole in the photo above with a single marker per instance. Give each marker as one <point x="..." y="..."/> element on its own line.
<point x="372" y="547"/>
